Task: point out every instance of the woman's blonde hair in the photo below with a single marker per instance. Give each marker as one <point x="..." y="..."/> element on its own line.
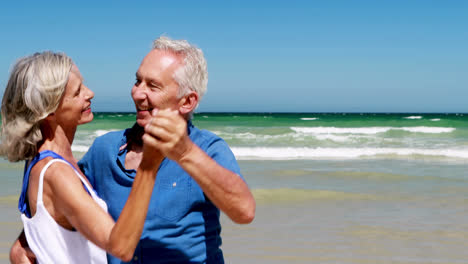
<point x="34" y="91"/>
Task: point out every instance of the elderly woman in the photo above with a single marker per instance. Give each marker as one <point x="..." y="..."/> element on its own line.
<point x="64" y="220"/>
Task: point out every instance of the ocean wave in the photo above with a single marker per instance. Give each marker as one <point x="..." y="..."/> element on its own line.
<point x="333" y="138"/>
<point x="428" y="130"/>
<point x="286" y="137"/>
<point x="413" y="117"/>
<point x="304" y="153"/>
<point x="101" y="132"/>
<point x="309" y="118"/>
<point x="370" y="130"/>
<point x="340" y="130"/>
<point x="311" y="135"/>
<point x="435" y="119"/>
<point x="244" y="136"/>
<point x="79" y="148"/>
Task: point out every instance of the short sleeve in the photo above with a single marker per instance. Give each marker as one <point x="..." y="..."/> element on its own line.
<point x="219" y="151"/>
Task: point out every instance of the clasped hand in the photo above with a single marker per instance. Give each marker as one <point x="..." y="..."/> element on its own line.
<point x="166" y="132"/>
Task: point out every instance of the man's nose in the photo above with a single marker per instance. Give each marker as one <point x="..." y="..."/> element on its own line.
<point x="139" y="91"/>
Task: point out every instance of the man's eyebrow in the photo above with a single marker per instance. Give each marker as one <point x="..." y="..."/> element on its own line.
<point x="156" y="82"/>
<point x="149" y="80"/>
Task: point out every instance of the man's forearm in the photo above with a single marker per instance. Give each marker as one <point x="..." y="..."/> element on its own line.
<point x="224" y="188"/>
<point x="20" y="252"/>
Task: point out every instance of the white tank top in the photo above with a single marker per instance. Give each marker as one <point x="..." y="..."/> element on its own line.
<point x="52" y="243"/>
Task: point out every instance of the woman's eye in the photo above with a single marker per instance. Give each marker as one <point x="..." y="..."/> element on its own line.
<point x="78" y="91"/>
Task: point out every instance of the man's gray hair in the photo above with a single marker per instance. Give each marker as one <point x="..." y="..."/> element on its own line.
<point x="193" y="75"/>
<point x="34" y="91"/>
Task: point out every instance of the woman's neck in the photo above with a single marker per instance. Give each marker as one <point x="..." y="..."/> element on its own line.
<point x="58" y="140"/>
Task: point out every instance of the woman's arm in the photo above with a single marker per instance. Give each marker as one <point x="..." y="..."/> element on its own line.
<point x="84" y="214"/>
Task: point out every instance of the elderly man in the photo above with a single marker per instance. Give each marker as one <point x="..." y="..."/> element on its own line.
<point x="198" y="177"/>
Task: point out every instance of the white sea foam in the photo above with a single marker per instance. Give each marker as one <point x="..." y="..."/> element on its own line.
<point x="341" y="130"/>
<point x="429" y="130"/>
<point x="262" y="138"/>
<point x="101" y="132"/>
<point x="435" y="119"/>
<point x="333" y="137"/>
<point x="370" y="130"/>
<point x="413" y="117"/>
<point x="309" y="118"/>
<point x="242" y="136"/>
<point x="289" y="153"/>
<point x="79" y="148"/>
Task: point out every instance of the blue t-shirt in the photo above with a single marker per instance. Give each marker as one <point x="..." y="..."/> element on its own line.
<point x="182" y="224"/>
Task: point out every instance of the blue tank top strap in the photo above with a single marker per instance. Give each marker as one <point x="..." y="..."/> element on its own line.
<point x="23" y="204"/>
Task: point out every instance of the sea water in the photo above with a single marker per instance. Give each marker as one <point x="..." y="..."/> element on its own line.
<point x="330" y="187"/>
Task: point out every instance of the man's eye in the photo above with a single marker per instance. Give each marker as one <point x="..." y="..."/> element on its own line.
<point x="137" y="82"/>
<point x="154" y="85"/>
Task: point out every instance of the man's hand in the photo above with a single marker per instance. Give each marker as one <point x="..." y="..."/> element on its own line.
<point x="167" y="131"/>
<point x="20" y="252"/>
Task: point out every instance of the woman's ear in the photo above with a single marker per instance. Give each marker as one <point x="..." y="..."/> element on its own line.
<point x="188" y="103"/>
<point x="50" y="117"/>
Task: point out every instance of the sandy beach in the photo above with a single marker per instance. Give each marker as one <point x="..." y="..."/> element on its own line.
<point x="396" y="224"/>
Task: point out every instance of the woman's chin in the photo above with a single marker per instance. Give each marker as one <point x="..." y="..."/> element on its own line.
<point x="86" y="119"/>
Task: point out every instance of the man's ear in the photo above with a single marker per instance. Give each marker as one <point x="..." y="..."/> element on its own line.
<point x="188" y="103"/>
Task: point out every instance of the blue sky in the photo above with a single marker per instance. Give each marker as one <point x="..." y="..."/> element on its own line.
<point x="263" y="56"/>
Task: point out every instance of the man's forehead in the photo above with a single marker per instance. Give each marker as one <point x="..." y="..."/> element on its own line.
<point x="163" y="58"/>
<point x="167" y="61"/>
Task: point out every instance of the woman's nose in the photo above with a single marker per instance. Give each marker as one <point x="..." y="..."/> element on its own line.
<point x="90" y="94"/>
